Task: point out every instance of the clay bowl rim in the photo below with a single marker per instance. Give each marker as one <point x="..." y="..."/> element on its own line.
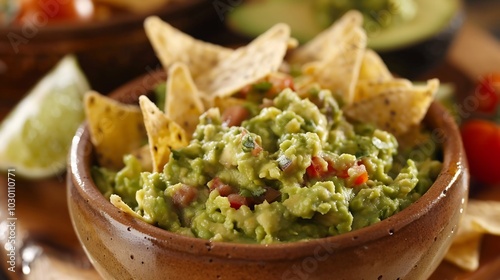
<point x="97" y="27"/>
<point x="437" y="118"/>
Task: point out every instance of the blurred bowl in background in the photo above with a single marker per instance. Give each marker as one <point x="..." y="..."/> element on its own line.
<point x="110" y="51"/>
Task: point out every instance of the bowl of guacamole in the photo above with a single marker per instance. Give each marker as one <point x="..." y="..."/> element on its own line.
<point x="292" y="175"/>
<point x="329" y="212"/>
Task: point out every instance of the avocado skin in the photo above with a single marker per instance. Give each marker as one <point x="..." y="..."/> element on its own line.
<point x="413" y="61"/>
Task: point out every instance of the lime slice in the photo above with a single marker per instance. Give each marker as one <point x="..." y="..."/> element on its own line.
<point x="36" y="136"/>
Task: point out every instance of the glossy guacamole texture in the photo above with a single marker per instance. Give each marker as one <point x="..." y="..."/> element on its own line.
<point x="295" y="169"/>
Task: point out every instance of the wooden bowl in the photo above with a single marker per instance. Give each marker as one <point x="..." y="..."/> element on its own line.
<point x="408" y="245"/>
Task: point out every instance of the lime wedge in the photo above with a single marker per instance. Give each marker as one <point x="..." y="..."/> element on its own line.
<point x="35" y="137"/>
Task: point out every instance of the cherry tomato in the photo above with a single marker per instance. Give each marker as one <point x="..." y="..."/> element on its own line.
<point x="488" y="91"/>
<point x="38" y="11"/>
<point x="481" y="140"/>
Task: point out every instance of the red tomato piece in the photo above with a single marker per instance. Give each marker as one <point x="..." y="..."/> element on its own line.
<point x="36" y="11"/>
<point x="481" y="140"/>
<point x="235" y="115"/>
<point x="237" y="200"/>
<point x="488" y="92"/>
<point x="184" y="196"/>
<point x="317" y="168"/>
<point x="280" y="82"/>
<point x="362" y="176"/>
<point x="217" y="184"/>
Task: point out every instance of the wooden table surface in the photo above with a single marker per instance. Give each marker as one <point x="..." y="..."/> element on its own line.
<point x="49" y="240"/>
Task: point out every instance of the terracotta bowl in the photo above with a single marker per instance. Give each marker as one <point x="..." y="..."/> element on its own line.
<point x="111" y="52"/>
<point x="408" y="245"/>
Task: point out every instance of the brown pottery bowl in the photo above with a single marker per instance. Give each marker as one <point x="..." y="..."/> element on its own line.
<point x="408" y="245"/>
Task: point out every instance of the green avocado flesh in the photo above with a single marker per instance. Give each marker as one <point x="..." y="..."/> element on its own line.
<point x="252" y="19"/>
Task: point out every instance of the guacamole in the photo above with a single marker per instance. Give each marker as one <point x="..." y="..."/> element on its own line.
<point x="293" y="169"/>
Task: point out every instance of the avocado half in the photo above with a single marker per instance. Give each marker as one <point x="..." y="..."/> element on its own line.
<point x="409" y="48"/>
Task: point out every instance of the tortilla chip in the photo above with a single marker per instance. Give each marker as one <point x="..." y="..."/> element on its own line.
<point x="373" y="68"/>
<point x="481" y="217"/>
<point x="322" y="45"/>
<point x="116" y="129"/>
<point x="183" y="104"/>
<point x="339" y="71"/>
<point x="163" y="133"/>
<point x="486" y="215"/>
<point x="172" y="45"/>
<point x="247" y="64"/>
<point x="117" y="201"/>
<point x="369" y="88"/>
<point x="465" y="254"/>
<point x="395" y="111"/>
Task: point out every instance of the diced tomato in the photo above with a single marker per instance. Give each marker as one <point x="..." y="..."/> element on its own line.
<point x="256" y="150"/>
<point x="184" y="196"/>
<point x="342" y="173"/>
<point x="271" y="194"/>
<point x="223" y="189"/>
<point x="235" y="115"/>
<point x="322" y="168"/>
<point x="317" y="168"/>
<point x="362" y="175"/>
<point x="237" y="200"/>
<point x="280" y="82"/>
<point x="481" y="139"/>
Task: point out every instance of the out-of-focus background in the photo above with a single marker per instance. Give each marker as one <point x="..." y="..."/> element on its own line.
<point x="112" y="48"/>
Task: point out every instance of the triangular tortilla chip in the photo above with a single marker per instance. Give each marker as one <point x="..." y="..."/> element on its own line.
<point x="481" y="217"/>
<point x="247" y="64"/>
<point x="172" y="45"/>
<point x="339" y="71"/>
<point x="116" y="129"/>
<point x="183" y="104"/>
<point x="322" y="45"/>
<point x="163" y="133"/>
<point x="465" y="254"/>
<point x="373" y="68"/>
<point x="396" y="111"/>
<point x="117" y="201"/>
